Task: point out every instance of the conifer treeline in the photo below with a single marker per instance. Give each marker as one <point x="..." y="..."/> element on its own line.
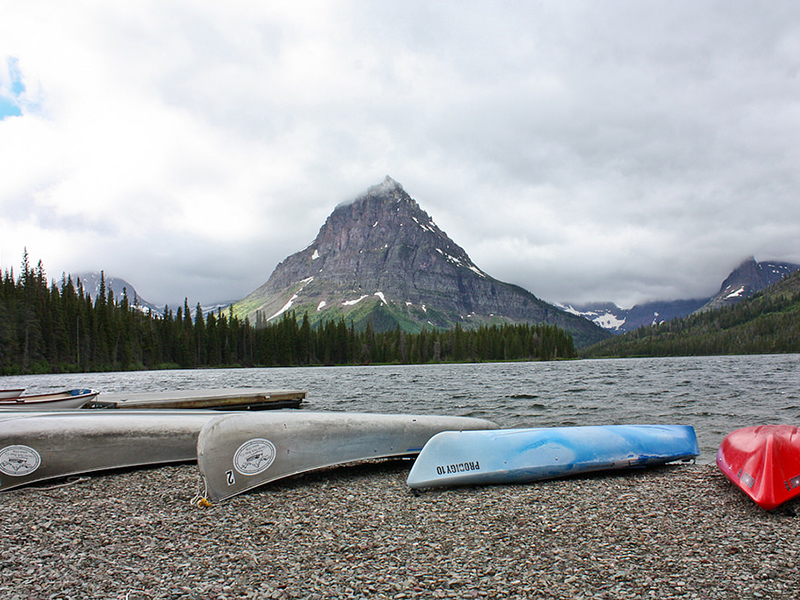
<point x="60" y="328"/>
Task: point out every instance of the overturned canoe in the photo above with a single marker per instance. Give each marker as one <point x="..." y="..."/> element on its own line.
<point x="764" y="462"/>
<point x="236" y="453"/>
<point x="41" y="446"/>
<point x="222" y="399"/>
<point x="522" y="455"/>
<point x="66" y="399"/>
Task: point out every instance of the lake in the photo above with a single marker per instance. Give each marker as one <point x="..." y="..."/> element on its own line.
<point x="714" y="394"/>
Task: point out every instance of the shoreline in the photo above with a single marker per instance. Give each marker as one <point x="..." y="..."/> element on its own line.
<point x="681" y="531"/>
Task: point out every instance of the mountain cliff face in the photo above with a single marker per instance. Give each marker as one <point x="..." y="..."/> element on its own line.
<point x="381" y="260"/>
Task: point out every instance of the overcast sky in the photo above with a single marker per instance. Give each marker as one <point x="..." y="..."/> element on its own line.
<point x="616" y="151"/>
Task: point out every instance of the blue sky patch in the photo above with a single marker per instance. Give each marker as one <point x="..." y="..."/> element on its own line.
<point x="8" y="108"/>
<point x="10" y="97"/>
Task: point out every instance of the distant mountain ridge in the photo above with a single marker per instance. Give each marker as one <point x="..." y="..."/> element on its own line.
<point x="91" y="285"/>
<point x="765" y="323"/>
<point x="381" y="260"/>
<point x="746" y="280"/>
<point x="619" y="320"/>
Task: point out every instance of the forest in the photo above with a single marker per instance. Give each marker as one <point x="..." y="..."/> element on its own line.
<point x="52" y="328"/>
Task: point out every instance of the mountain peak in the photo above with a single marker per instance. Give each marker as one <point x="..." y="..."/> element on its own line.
<point x="747" y="279"/>
<point x="381" y="260"/>
<point x="386" y="186"/>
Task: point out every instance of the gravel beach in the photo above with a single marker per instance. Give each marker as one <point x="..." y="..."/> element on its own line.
<point x="358" y="532"/>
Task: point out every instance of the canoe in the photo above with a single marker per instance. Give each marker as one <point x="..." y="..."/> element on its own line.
<point x="523" y="455"/>
<point x="236" y="453"/>
<point x="226" y="399"/>
<point x="764" y="462"/>
<point x="6" y="394"/>
<point x="66" y="399"/>
<point x="40" y="446"/>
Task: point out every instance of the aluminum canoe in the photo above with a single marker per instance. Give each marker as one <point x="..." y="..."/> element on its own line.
<point x="66" y="399"/>
<point x="764" y="462"/>
<point x="40" y="446"/>
<point x="236" y="453"/>
<point x="523" y="455"/>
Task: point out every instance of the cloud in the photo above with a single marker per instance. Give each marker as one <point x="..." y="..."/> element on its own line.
<point x="625" y="151"/>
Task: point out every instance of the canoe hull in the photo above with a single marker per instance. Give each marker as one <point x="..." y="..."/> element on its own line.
<point x="9" y="394"/>
<point x="223" y="399"/>
<point x="40" y="446"/>
<point x="524" y="455"/>
<point x="764" y="462"/>
<point x="68" y="399"/>
<point x="237" y="453"/>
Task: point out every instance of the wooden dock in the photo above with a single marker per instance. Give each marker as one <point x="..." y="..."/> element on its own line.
<point x="219" y="399"/>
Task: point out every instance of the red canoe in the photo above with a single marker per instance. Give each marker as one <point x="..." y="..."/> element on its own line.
<point x="764" y="461"/>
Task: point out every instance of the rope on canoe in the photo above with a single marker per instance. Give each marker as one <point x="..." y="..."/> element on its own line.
<point x="68" y="482"/>
<point x="200" y="500"/>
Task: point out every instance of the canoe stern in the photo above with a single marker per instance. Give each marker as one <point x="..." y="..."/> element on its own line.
<point x="763" y="461"/>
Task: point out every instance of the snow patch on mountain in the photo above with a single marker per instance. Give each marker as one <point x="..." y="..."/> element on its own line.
<point x="423" y="226"/>
<point x="609" y="321"/>
<point x="291" y="301"/>
<point x="354" y="302"/>
<point x="285" y="307"/>
<point x="735" y="293"/>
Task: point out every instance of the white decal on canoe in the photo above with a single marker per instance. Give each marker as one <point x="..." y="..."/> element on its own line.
<point x="254" y="457"/>
<point x="19" y="460"/>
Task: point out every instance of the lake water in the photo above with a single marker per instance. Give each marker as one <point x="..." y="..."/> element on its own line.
<point x="714" y="394"/>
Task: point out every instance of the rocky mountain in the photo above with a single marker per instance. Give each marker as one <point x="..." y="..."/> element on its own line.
<point x="747" y="279"/>
<point x="744" y="281"/>
<point x="616" y="319"/>
<point x="91" y="286"/>
<point x="381" y="260"/>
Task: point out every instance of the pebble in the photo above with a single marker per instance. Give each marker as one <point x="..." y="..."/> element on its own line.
<point x="680" y="531"/>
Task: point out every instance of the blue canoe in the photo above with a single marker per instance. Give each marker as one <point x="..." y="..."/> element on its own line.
<point x="521" y="455"/>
